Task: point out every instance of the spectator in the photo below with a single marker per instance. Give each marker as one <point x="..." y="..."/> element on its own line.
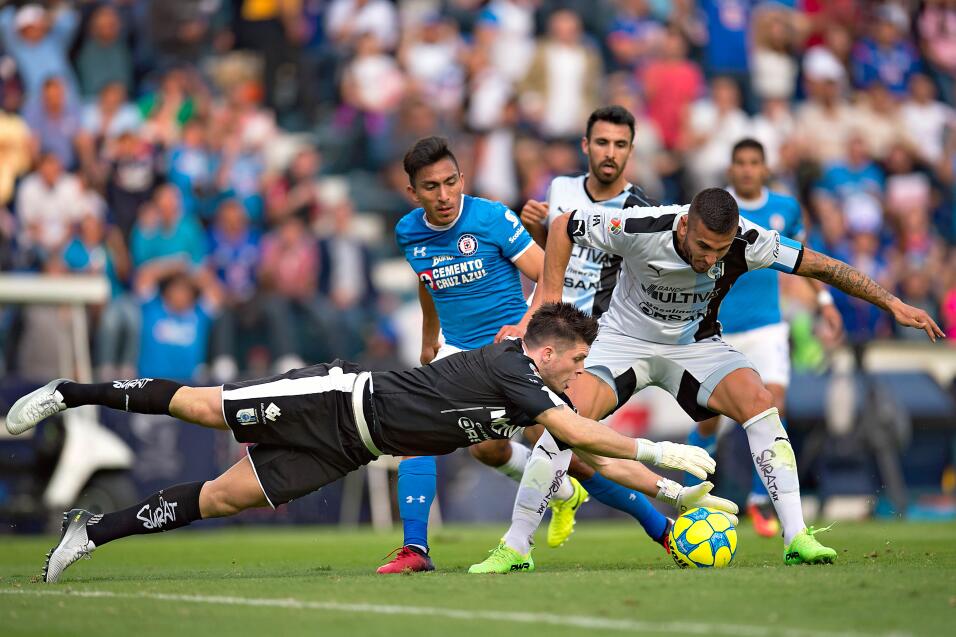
<point x="671" y="83"/>
<point x="234" y="258"/>
<point x="49" y="202"/>
<point x="561" y="87"/>
<point x="853" y="189"/>
<point x="634" y="35"/>
<point x="773" y="127"/>
<point x="194" y="169"/>
<point x="163" y="232"/>
<point x="104" y="58"/>
<point x="167" y="109"/>
<point x="772" y="57"/>
<point x="878" y="113"/>
<point x="726" y="49"/>
<point x="935" y="25"/>
<point x="432" y="56"/>
<point x="296" y="192"/>
<point x="180" y="30"/>
<point x="40" y="42"/>
<point x="712" y="127"/>
<point x="887" y="56"/>
<point x="16" y="152"/>
<point x="348" y="20"/>
<point x="927" y="120"/>
<point x="825" y="121"/>
<point x="176" y="321"/>
<point x="55" y="121"/>
<point x="102" y="122"/>
<point x="131" y="176"/>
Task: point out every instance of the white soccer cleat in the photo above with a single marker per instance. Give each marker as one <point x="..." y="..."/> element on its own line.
<point x="36" y="406"/>
<point x="73" y="545"/>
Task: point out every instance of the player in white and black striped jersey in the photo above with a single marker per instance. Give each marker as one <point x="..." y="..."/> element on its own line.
<point x="588" y="283"/>
<point x="661" y="329"/>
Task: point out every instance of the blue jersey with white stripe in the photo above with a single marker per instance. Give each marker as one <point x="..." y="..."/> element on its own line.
<point x="468" y="267"/>
<point x="754" y="300"/>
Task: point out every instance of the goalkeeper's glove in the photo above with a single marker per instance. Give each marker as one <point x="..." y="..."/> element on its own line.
<point x="671" y="455"/>
<point x="686" y="498"/>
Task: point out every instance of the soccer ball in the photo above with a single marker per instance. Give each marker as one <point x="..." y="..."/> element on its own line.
<point x="703" y="538"/>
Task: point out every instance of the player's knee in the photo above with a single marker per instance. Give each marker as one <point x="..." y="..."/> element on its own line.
<point x="762" y="401"/>
<point x="216" y="501"/>
<point x="492" y="453"/>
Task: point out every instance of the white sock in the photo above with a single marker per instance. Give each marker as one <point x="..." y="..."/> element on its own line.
<point x="514" y="468"/>
<point x="546" y="470"/>
<point x="777" y="467"/>
<point x="566" y="490"/>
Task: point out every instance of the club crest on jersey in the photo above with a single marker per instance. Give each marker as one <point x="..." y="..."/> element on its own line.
<point x="467" y="244"/>
<point x="716" y="271"/>
<point x="426" y="278"/>
<point x="615" y="226"/>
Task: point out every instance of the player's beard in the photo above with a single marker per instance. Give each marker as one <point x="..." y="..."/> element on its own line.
<point x="596" y="173"/>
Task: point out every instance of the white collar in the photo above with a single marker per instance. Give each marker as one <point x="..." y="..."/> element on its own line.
<point x="751" y="204"/>
<point x="449" y="226"/>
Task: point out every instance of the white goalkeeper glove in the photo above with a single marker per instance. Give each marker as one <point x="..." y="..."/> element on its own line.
<point x="671" y="455"/>
<point x="686" y="498"/>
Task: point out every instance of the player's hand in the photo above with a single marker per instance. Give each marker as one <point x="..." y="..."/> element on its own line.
<point x="429" y="352"/>
<point x="671" y="455"/>
<point x="910" y="316"/>
<point x="509" y="331"/>
<point x="534" y="212"/>
<point x="832" y="322"/>
<point x="686" y="498"/>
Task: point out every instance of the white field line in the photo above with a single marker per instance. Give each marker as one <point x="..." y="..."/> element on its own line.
<point x="580" y="621"/>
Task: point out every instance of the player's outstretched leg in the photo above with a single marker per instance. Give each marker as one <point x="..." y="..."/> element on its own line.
<point x="416" y="491"/>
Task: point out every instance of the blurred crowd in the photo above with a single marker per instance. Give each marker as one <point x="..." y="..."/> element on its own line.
<point x="215" y="158"/>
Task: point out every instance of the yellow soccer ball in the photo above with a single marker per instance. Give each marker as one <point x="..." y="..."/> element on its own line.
<point x="703" y="538"/>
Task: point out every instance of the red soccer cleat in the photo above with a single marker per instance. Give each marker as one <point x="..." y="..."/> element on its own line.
<point x="764" y="518"/>
<point x="664" y="539"/>
<point x="410" y="559"/>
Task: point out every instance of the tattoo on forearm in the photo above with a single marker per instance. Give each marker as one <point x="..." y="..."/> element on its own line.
<point x="846" y="278"/>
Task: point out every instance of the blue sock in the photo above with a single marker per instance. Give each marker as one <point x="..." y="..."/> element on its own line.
<point x="708" y="443"/>
<point x="631" y="502"/>
<point x="416" y="490"/>
<point x="758" y="490"/>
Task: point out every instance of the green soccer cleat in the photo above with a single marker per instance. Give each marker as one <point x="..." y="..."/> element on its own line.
<point x="806" y="549"/>
<point x="504" y="559"/>
<point x="561" y="525"/>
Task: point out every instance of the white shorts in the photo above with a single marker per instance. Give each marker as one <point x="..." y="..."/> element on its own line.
<point x="445" y="351"/>
<point x="768" y="348"/>
<point x="689" y="372"/>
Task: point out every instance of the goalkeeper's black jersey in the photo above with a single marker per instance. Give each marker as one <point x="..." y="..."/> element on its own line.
<point x="483" y="394"/>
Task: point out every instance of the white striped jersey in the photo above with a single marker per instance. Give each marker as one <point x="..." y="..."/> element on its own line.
<point x="659" y="297"/>
<point x="592" y="273"/>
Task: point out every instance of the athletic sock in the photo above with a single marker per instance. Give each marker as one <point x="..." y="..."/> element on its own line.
<point x="777" y="466"/>
<point x="631" y="502"/>
<point x="514" y="468"/>
<point x="416" y="490"/>
<point x="140" y="395"/>
<point x="165" y="510"/>
<point x="707" y="443"/>
<point x="543" y="474"/>
<point x="758" y="490"/>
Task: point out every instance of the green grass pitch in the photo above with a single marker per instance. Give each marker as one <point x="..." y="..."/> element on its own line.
<point x="890" y="579"/>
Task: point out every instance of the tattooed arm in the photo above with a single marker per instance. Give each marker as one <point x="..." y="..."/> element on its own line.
<point x="855" y="283"/>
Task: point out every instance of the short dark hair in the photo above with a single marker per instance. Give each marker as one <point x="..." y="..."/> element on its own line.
<point x="716" y="208"/>
<point x="748" y="143"/>
<point x="425" y="152"/>
<point x="615" y="114"/>
<point x="560" y="321"/>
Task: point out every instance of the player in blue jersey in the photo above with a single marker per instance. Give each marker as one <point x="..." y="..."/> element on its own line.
<point x="468" y="254"/>
<point x="750" y="313"/>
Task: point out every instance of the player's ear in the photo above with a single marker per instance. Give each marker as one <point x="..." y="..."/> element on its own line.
<point x="584" y="144"/>
<point x="413" y="194"/>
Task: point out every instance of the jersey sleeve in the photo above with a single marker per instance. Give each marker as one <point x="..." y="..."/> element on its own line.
<point x="509" y="232"/>
<point x="769" y="249"/>
<point x="521" y="385"/>
<point x="620" y="231"/>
